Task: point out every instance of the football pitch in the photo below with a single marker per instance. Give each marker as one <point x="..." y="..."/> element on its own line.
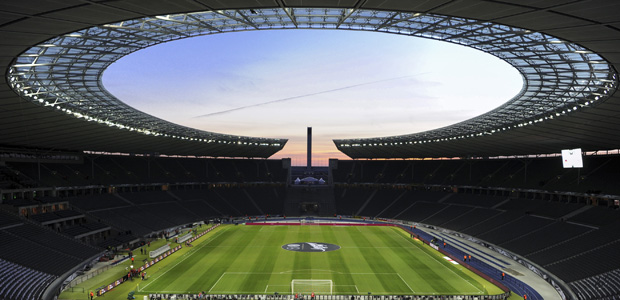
<point x="258" y="260"/>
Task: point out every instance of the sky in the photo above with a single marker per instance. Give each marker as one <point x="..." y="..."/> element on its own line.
<point x="343" y="84"/>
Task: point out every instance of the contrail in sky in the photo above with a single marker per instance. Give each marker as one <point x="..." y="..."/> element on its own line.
<point x="297" y="97"/>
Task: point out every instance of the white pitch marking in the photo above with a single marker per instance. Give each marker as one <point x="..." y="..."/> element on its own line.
<point x="185" y="256"/>
<point x="401" y="278"/>
<point x="218" y="280"/>
<point x="449" y="269"/>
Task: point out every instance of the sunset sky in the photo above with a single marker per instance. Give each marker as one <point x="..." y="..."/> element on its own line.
<point x="344" y="84"/>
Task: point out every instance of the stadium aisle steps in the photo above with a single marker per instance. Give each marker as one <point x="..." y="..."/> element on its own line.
<point x="391" y="203"/>
<point x="372" y="195"/>
<point x="458" y="244"/>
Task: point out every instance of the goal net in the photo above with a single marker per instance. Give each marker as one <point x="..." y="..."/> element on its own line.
<point x="308" y="286"/>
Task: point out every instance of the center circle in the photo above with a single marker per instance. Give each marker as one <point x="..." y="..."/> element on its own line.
<point x="310" y="247"/>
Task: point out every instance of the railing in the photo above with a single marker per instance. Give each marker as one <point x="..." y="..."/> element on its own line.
<point x="85" y="277"/>
<point x="324" y="297"/>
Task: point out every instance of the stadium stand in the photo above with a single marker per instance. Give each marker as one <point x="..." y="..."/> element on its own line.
<point x="548" y="236"/>
<point x="534" y="229"/>
<point x="532" y="173"/>
<point x="56" y="216"/>
<point x="559" y="233"/>
<point x="84" y="229"/>
<point x="146" y="197"/>
<point x="601" y="286"/>
<point x="397" y="205"/>
<point x="269" y="199"/>
<point x="146" y="212"/>
<point x="527" y="225"/>
<point x="470" y="218"/>
<point x="514" y="229"/>
<point x="447" y="213"/>
<point x="420" y="211"/>
<point x="195" y="201"/>
<point x="377" y="202"/>
<point x="106" y="170"/>
<point x="44" y="250"/>
<point x="19" y="282"/>
<point x="596" y="216"/>
<point x="7" y="220"/>
<point x="476" y="200"/>
<point x="349" y="201"/>
<point x="97" y="202"/>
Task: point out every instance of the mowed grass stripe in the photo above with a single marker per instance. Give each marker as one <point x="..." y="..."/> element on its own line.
<point x="176" y="274"/>
<point x="455" y="276"/>
<point x="284" y="265"/>
<point x="213" y="267"/>
<point x="342" y="275"/>
<point x="419" y="272"/>
<point x="361" y="272"/>
<point x="378" y="262"/>
<point x="302" y="263"/>
<point x="214" y="262"/>
<point x="265" y="262"/>
<point x="320" y="260"/>
<point x="360" y="268"/>
<point x="249" y="259"/>
<point x="247" y="255"/>
<point x="407" y="261"/>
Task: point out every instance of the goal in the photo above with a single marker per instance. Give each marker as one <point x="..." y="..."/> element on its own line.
<point x="308" y="286"/>
<point x="307" y="222"/>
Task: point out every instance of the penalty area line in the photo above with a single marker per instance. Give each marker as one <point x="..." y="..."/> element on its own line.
<point x="403" y="280"/>
<point x="218" y="280"/>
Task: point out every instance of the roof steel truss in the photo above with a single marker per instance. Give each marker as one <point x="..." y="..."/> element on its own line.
<point x="64" y="73"/>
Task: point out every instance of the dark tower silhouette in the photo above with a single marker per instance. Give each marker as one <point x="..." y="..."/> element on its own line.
<point x="309" y="160"/>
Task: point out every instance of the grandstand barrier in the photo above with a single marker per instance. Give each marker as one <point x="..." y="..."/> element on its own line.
<point x="321" y="224"/>
<point x="322" y="297"/>
<point x="82" y="278"/>
<point x="159" y="251"/>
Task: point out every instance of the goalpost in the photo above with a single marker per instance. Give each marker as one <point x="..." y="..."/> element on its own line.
<point x="307" y="222"/>
<point x="308" y="286"/>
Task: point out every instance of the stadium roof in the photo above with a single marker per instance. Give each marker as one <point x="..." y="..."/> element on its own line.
<point x="54" y="52"/>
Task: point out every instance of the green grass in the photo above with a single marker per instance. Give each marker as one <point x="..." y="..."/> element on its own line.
<point x="250" y="260"/>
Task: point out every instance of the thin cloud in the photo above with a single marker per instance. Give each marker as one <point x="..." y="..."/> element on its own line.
<point x="302" y="96"/>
